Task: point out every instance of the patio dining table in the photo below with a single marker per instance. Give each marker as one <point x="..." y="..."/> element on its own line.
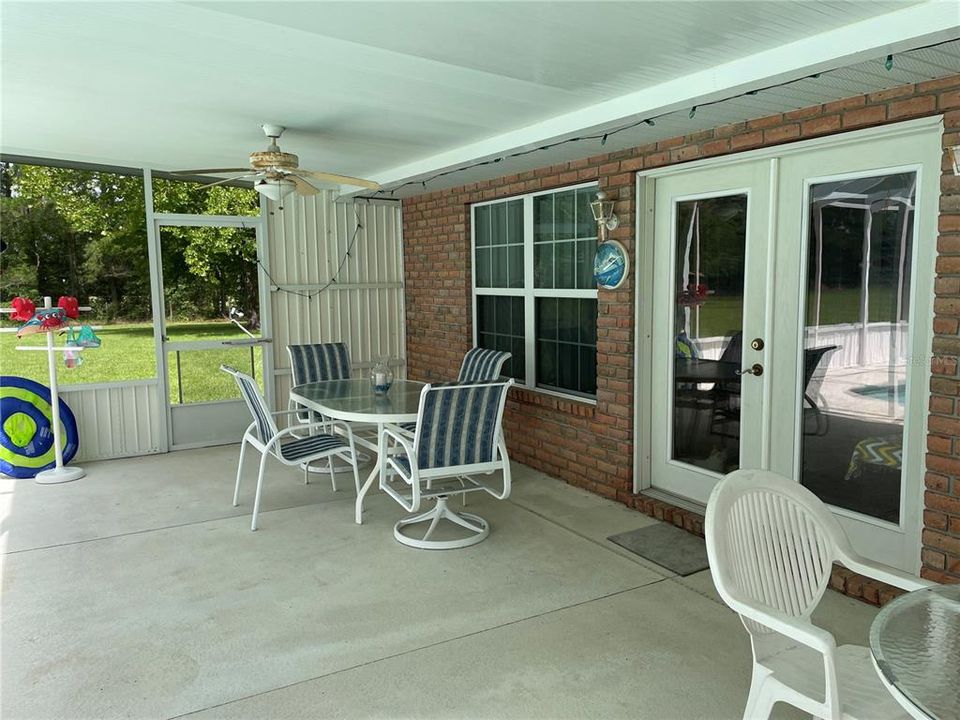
<point x="354" y="402"/>
<point x="915" y="645"/>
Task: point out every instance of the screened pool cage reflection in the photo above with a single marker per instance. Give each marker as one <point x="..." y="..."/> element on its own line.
<point x="858" y="287"/>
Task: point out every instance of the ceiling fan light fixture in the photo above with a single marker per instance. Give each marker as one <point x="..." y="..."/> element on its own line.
<point x="275" y="189"/>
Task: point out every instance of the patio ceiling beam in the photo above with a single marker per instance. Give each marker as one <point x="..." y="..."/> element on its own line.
<point x="912" y="27"/>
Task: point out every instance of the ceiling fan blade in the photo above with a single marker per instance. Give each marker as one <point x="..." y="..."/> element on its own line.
<point x="226" y="180"/>
<point x="303" y="187"/>
<point x="341" y="179"/>
<point x="213" y="171"/>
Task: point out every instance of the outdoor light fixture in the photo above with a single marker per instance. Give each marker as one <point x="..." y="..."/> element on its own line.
<point x="275" y="189"/>
<point x="602" y="210"/>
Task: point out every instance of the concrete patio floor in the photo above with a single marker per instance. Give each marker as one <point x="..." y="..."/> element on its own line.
<point x="139" y="592"/>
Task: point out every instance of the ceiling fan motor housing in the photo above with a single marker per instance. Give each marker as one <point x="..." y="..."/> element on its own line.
<point x="265" y="159"/>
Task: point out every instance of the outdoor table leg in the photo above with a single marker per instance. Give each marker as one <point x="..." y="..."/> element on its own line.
<point x="374" y="474"/>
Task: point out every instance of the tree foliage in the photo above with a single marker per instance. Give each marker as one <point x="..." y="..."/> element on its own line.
<point x="83" y="233"/>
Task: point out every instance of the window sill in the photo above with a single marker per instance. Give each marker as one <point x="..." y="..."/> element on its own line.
<point x="572" y="404"/>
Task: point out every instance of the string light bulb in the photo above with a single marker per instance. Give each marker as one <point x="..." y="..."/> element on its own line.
<point x="888" y="63"/>
<point x="693" y="111"/>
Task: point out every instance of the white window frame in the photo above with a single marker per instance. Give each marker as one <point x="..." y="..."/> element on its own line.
<point x="528" y="292"/>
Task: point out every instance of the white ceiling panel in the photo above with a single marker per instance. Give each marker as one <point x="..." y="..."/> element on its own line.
<point x="402" y="90"/>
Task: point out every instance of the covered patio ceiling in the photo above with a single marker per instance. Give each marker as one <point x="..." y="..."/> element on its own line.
<point x="399" y="91"/>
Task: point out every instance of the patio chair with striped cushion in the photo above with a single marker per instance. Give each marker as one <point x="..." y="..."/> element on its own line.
<point x="290" y="449"/>
<point x="479" y="365"/>
<point x="316" y="363"/>
<point x="458" y="435"/>
<point x="482" y="365"/>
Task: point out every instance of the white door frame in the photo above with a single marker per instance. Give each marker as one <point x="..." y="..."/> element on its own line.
<point x="922" y="309"/>
<point x="154" y="222"/>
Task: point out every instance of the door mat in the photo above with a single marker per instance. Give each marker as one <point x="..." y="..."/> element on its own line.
<point x="666" y="545"/>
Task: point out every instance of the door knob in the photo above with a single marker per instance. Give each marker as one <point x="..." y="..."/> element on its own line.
<point x="755" y="369"/>
<point x="757" y="344"/>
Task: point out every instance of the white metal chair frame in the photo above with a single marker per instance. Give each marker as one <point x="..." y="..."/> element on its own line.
<point x="418" y="484"/>
<point x="771" y="545"/>
<point x="273" y="447"/>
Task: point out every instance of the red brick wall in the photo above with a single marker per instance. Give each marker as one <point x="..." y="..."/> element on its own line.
<point x="592" y="447"/>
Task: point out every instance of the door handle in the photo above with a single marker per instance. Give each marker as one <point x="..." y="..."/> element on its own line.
<point x="755" y="369"/>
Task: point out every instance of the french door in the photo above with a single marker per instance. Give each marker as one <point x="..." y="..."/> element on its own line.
<point x="792" y="298"/>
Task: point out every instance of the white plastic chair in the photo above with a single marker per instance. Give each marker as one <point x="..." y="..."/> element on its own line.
<point x="771" y="545"/>
<point x="295" y="445"/>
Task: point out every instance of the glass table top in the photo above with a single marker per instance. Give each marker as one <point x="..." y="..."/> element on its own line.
<point x="915" y="640"/>
<point x="355" y="400"/>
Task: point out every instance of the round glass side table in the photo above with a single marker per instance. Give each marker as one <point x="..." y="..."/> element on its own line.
<point x="915" y="643"/>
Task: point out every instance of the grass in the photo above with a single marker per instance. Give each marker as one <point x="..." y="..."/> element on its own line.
<point x="721" y="315"/>
<point x="127" y="353"/>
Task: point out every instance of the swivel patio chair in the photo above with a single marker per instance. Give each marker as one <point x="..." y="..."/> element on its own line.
<point x="771" y="545"/>
<point x="284" y="445"/>
<point x="479" y="365"/>
<point x="459" y="435"/>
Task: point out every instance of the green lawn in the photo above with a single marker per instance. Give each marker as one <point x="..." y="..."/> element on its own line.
<point x="720" y="315"/>
<point x="127" y="353"/>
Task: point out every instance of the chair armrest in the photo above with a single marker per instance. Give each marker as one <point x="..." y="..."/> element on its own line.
<point x="403" y="437"/>
<point x="883" y="573"/>
<point x="806" y="633"/>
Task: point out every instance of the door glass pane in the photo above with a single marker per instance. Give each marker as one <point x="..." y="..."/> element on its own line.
<point x="855" y="341"/>
<point x="210" y="283"/>
<point x="708" y="325"/>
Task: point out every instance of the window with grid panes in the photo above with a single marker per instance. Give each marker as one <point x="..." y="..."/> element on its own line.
<point x="535" y="296"/>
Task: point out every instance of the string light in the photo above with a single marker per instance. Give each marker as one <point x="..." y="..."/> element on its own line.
<point x="310" y="295"/>
<point x="602" y="137"/>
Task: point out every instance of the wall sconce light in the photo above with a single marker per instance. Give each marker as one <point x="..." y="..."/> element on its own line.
<point x="602" y="209"/>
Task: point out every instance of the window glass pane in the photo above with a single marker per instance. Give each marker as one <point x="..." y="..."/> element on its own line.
<point x="546" y="363"/>
<point x="499" y="277"/>
<point x="565" y="214"/>
<point x="565" y="259"/>
<point x="586" y="251"/>
<point x="515" y="266"/>
<point x="588" y="370"/>
<point x="498" y="224"/>
<point x="709" y="274"/>
<point x="516" y="313"/>
<point x="856" y="342"/>
<point x="568" y="319"/>
<point x="566" y="344"/>
<point x="588" y="322"/>
<point x="483" y="267"/>
<point x="543" y="265"/>
<point x="543" y="218"/>
<point x="497" y="316"/>
<point x="546" y="318"/>
<point x="586" y="225"/>
<point x="515" y="221"/>
<point x="568" y="366"/>
<point x="481" y="219"/>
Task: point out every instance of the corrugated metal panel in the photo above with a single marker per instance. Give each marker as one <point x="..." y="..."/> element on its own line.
<point x="116" y="420"/>
<point x="309" y="244"/>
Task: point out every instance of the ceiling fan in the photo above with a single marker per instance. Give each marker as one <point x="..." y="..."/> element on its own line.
<point x="276" y="174"/>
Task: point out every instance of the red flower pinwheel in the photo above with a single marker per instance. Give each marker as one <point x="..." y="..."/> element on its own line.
<point x="70" y="306"/>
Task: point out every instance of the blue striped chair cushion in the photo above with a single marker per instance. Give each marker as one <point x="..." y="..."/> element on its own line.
<point x="313" y="445"/>
<point x="266" y="427"/>
<point x="482" y="365"/>
<point x="316" y="363"/>
<point x="459" y="425"/>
